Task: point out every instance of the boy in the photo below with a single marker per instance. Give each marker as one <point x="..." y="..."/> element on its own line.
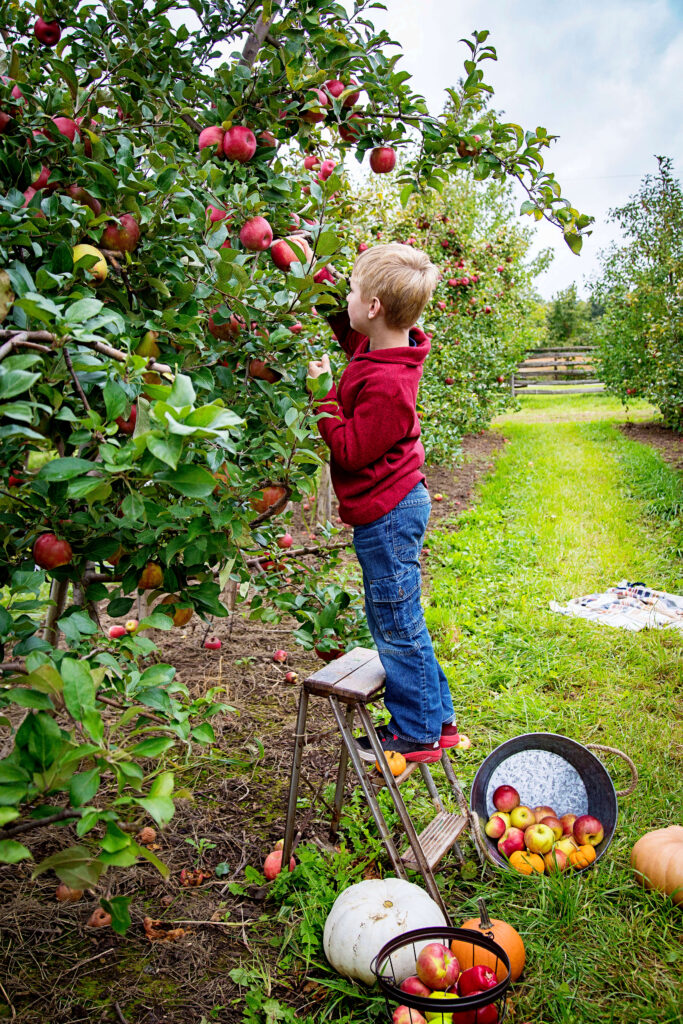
<point x="373" y="433"/>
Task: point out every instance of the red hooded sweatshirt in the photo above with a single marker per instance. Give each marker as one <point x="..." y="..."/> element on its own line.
<point x="373" y="432"/>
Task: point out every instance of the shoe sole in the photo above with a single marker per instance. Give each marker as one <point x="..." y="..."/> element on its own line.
<point x="421" y="756"/>
<point x="449" y="741"/>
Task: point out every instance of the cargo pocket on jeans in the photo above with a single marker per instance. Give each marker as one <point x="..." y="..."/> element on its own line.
<point x="396" y="603"/>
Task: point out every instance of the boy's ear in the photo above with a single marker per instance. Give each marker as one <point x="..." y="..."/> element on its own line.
<point x="375" y="308"/>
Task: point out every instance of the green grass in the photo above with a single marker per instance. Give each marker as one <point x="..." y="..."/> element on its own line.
<point x="571" y="507"/>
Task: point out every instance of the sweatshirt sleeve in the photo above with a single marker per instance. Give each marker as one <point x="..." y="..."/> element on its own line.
<point x="380" y="420"/>
<point x="349" y="339"/>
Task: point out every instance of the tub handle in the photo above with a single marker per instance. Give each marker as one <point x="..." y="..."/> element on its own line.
<point x="629" y="762"/>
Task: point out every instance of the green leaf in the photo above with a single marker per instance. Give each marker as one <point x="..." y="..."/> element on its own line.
<point x="75" y="866"/>
<point x="7" y="814"/>
<point x="12" y="852"/>
<point x="153" y="747"/>
<point x="166" y="449"/>
<point x="79" y="688"/>
<point x="192" y="481"/>
<point x="26" y="698"/>
<point x="182" y="392"/>
<point x="574" y="241"/>
<point x="204" y="733"/>
<point x="115" y="400"/>
<point x="44" y="738"/>
<point x="157" y="699"/>
<point x="64" y="469"/>
<point x="14" y="382"/>
<point x="68" y="74"/>
<point x="117" y="906"/>
<point x="82" y="310"/>
<point x="83" y="787"/>
<point x="161" y="808"/>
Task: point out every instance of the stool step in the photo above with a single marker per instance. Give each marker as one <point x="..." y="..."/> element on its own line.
<point x="441" y="833"/>
<point x="377" y="779"/>
<point x="356" y="677"/>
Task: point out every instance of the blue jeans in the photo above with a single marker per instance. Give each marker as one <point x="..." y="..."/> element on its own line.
<point x="417" y="693"/>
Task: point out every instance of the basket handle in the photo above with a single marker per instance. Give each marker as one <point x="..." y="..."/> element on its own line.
<point x="629" y="762"/>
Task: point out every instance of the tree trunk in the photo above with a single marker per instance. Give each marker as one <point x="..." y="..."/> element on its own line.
<point x="58" y="592"/>
<point x="324" y="503"/>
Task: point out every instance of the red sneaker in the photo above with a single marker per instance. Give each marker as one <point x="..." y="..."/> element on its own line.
<point x="450" y="737"/>
<point x="427" y="753"/>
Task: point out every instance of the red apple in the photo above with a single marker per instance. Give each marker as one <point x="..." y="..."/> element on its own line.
<point x="215" y="213"/>
<point x="511" y="841"/>
<point x="124" y="237"/>
<point x="272" y="865"/>
<point x="239" y="143"/>
<point x="49" y="552"/>
<point x="311" y="162"/>
<point x="116" y="632"/>
<point x="553" y="823"/>
<point x="285" y="541"/>
<point x="351" y="129"/>
<point x="505" y="798"/>
<point x="414" y="987"/>
<point x="363" y="246"/>
<point x="539" y="838"/>
<point x="485" y="1014"/>
<point x="47" y="32"/>
<point x="316" y="113"/>
<point x="212" y="136"/>
<point x="227" y="331"/>
<point x="383" y="159"/>
<point x="296" y="328"/>
<point x="321" y="276"/>
<point x="555" y="861"/>
<point x="588" y="829"/>
<point x="256" y="234"/>
<point x="487" y="309"/>
<point x="280" y="656"/>
<point x="437" y="967"/>
<point x="128" y="426"/>
<point x="267" y="139"/>
<point x="479" y="978"/>
<point x="66" y="126"/>
<point x="542" y="811"/>
<point x="407" y="1015"/>
<point x="80" y="195"/>
<point x="441" y="305"/>
<point x="291" y="677"/>
<point x="496" y="826"/>
<point x="448" y="380"/>
<point x="283" y="255"/>
<point x="212" y="643"/>
<point x="568" y="824"/>
<point x="326" y="169"/>
<point x="335" y="87"/>
<point x="438" y="497"/>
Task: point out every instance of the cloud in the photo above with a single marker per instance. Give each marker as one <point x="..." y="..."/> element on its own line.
<point x="604" y="76"/>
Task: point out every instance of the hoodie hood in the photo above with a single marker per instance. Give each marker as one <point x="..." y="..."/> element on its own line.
<point x="403" y="355"/>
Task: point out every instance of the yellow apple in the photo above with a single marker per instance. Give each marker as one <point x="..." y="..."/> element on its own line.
<point x="99" y="270"/>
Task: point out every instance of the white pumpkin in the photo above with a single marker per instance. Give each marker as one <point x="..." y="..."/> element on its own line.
<point x="370" y="913"/>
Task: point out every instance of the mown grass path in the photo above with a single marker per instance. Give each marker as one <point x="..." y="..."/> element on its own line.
<point x="572" y="507"/>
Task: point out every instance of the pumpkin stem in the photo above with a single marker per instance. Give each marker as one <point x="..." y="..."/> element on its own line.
<point x="485" y="922"/>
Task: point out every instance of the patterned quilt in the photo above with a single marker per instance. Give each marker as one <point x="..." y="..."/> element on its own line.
<point x="632" y="606"/>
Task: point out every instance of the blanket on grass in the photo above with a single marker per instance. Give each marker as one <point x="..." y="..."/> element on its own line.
<point x="631" y="606"/>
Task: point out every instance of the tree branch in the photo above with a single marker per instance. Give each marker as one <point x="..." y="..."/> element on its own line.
<point x="29" y="826"/>
<point x="255" y="40"/>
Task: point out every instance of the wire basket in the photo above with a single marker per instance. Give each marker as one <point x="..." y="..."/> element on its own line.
<point x="489" y="1007"/>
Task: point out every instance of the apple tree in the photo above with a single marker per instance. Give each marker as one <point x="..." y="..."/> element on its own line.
<point x="640" y="292"/>
<point x="173" y="187"/>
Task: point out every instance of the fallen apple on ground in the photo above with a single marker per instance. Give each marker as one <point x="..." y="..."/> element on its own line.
<point x="272" y="865"/>
<point x="464" y="743"/>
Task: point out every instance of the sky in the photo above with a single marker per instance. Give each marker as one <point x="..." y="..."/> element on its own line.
<point x="605" y="76"/>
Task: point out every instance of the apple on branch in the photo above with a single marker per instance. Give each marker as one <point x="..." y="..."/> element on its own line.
<point x="239" y="143"/>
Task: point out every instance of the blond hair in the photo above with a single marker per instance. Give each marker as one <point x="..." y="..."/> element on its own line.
<point x="402" y="278"/>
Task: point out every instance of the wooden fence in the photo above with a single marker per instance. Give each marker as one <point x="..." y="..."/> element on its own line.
<point x="551" y="371"/>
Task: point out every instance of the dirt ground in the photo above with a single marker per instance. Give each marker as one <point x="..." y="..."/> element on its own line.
<point x="667" y="441"/>
<point x="54" y="968"/>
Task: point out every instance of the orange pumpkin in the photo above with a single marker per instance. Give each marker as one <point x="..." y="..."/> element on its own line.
<point x="505" y="935"/>
<point x="527" y="863"/>
<point x="582" y="857"/>
<point x="657" y="859"/>
<point x="396" y="761"/>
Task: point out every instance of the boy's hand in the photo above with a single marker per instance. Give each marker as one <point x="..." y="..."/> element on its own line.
<point x="317" y="367"/>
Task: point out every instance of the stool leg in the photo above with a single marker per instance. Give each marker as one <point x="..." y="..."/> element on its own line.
<point x="394" y="857"/>
<point x="294" y="781"/>
<point x="431" y="787"/>
<point x="341" y="779"/>
<point x="413" y="839"/>
<point x="473" y="824"/>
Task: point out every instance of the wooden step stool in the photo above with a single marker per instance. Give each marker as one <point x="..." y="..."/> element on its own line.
<point x="350" y="683"/>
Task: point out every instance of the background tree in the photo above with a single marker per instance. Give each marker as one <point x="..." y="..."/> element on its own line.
<point x="568" y="319"/>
